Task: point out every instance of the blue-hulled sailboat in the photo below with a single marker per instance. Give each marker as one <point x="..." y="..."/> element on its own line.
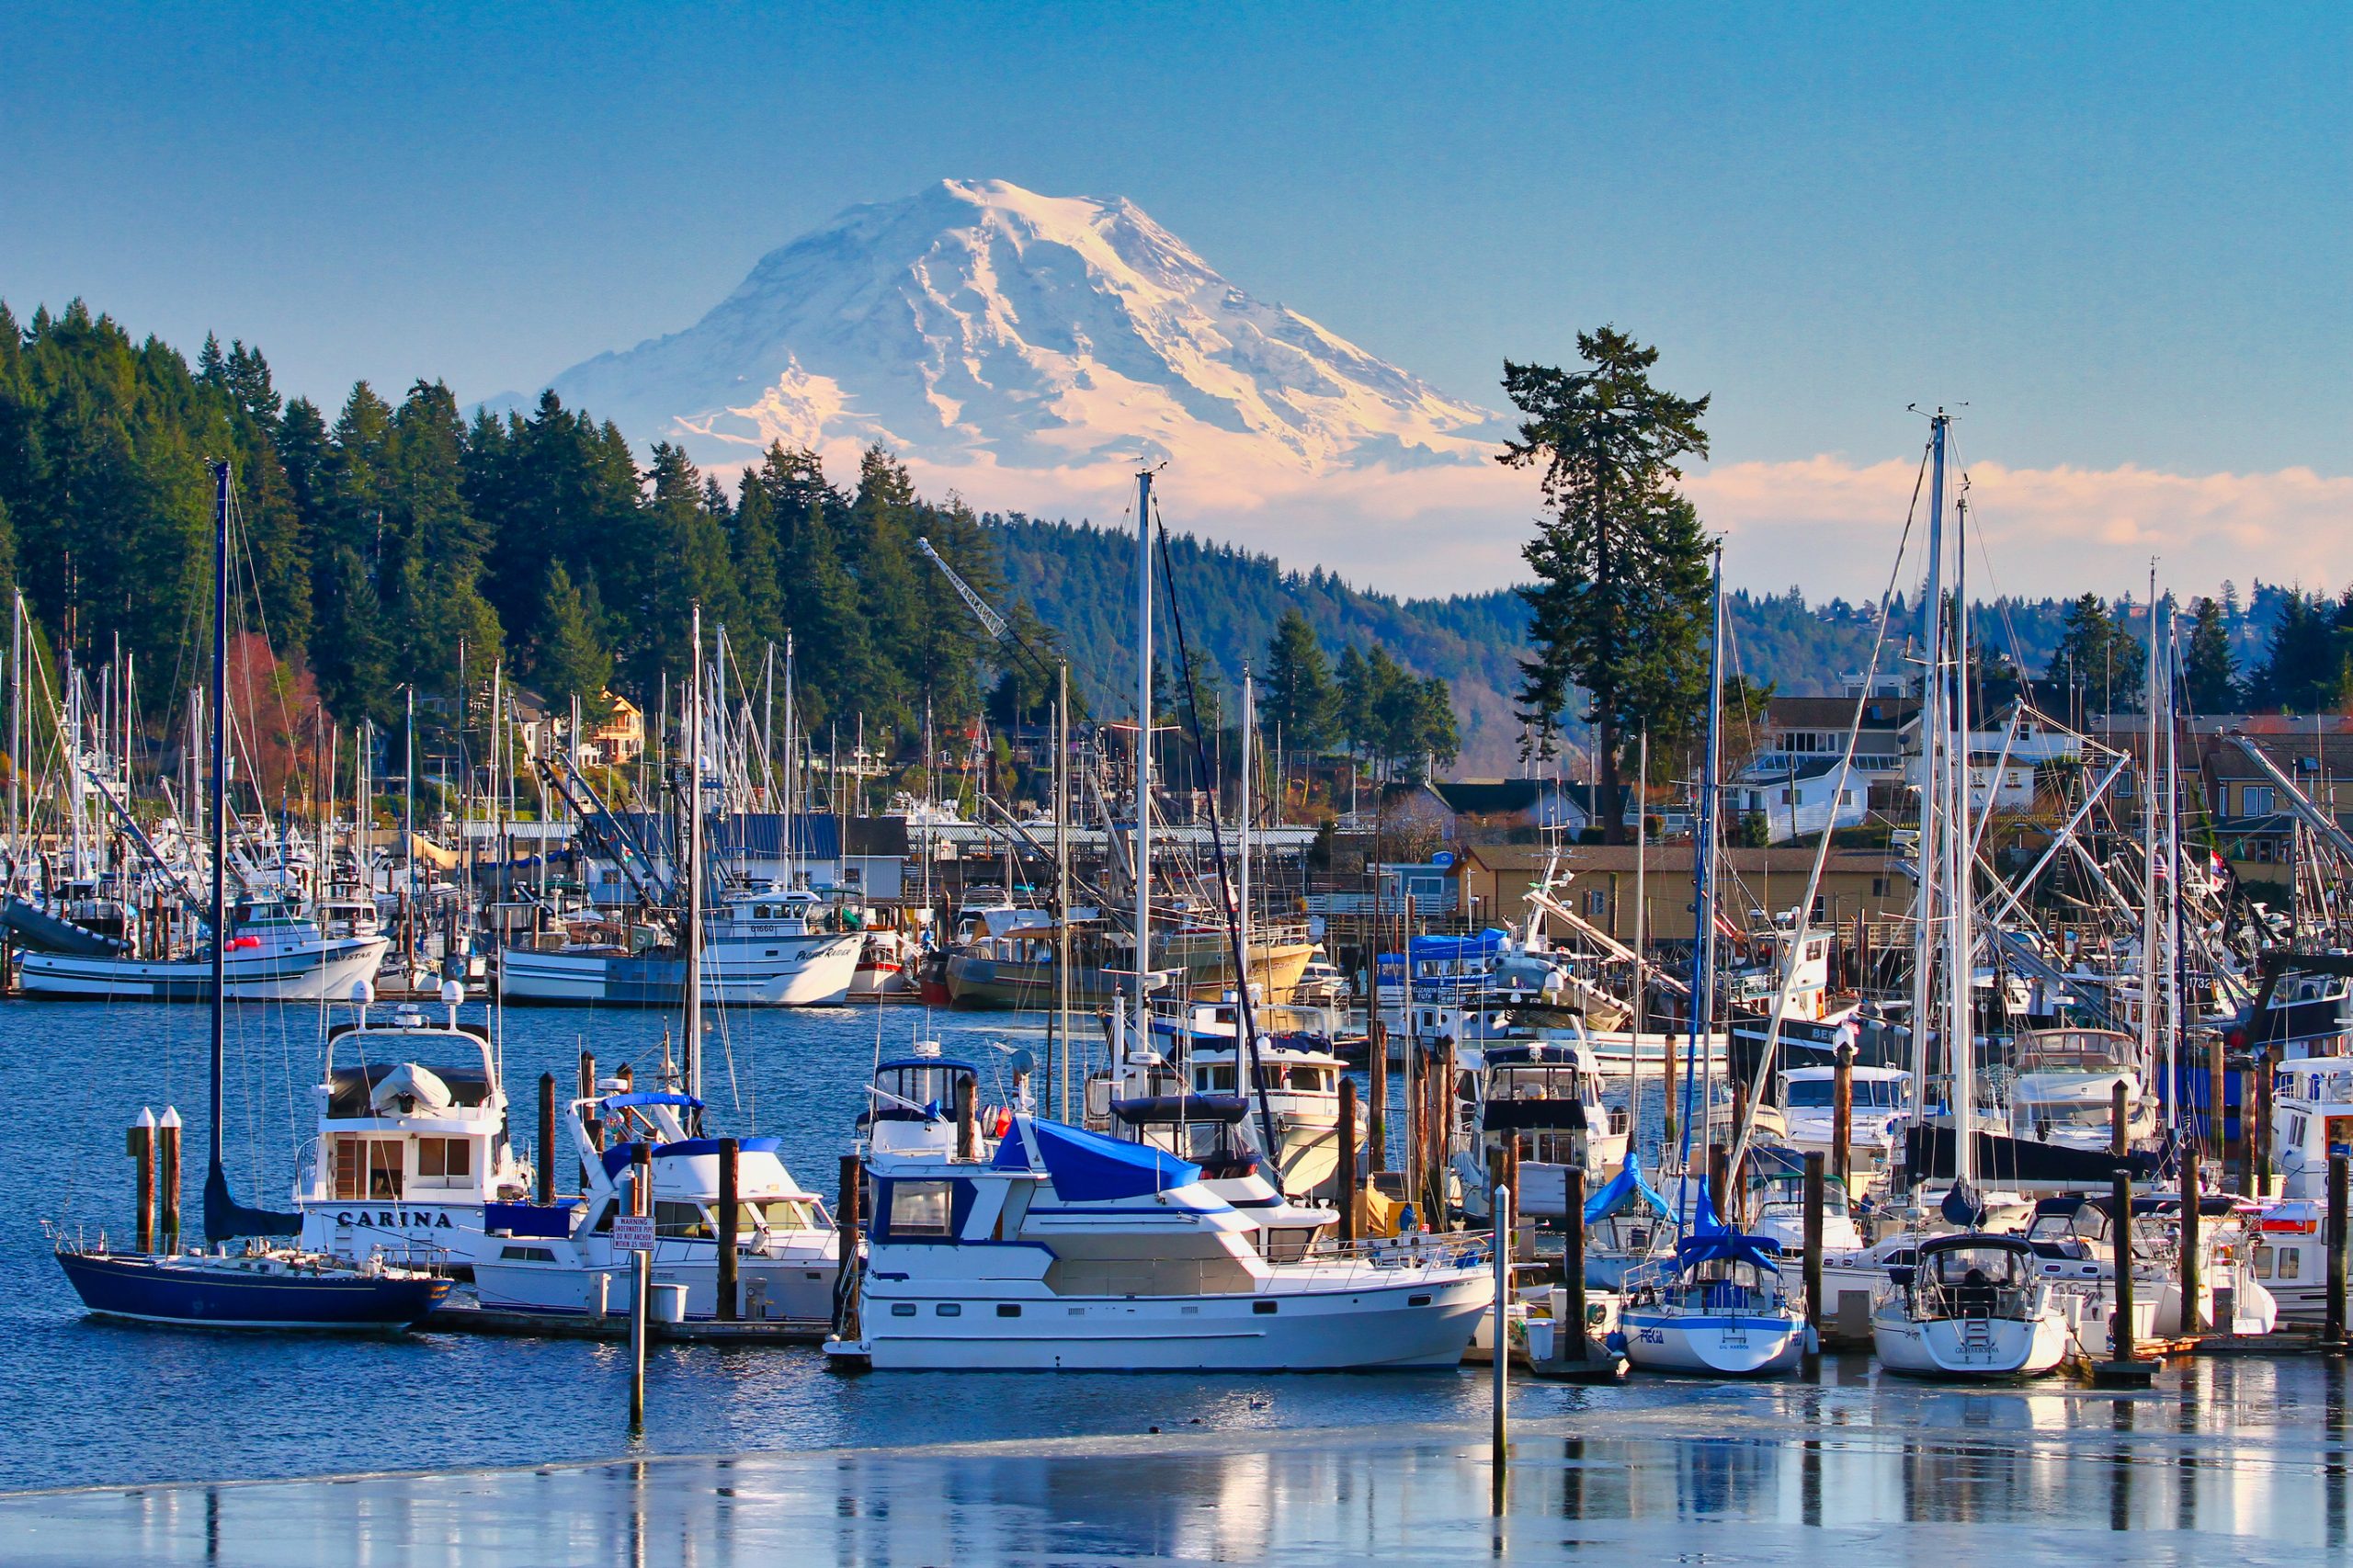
<point x="267" y="1284"/>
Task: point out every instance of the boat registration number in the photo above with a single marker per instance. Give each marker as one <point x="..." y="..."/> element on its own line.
<point x="632" y="1232"/>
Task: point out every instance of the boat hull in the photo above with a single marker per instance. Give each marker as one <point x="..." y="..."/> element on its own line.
<point x="1967" y="1347"/>
<point x="1742" y="1345"/>
<point x="323" y="971"/>
<point x="784" y="972"/>
<point x="183" y="1292"/>
<point x="1423" y="1323"/>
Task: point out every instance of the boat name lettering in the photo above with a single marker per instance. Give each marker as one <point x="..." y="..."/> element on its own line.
<point x="393" y="1220"/>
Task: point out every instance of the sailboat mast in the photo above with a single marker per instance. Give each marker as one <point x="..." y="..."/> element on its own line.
<point x="1929" y="851"/>
<point x="1961" y="838"/>
<point x="2151" y="930"/>
<point x="1143" y="746"/>
<point x="1249" y="723"/>
<point x="694" y="866"/>
<point x="217" y="786"/>
<point x="1703" y="880"/>
<point x="1062" y="890"/>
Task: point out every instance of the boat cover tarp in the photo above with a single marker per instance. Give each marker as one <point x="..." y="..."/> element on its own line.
<point x="1732" y="1246"/>
<point x="617" y="1157"/>
<point x="530" y="1221"/>
<point x="1453" y="950"/>
<point x="2004" y="1160"/>
<point x="1625" y="1192"/>
<point x="1088" y="1168"/>
<point x="226" y="1220"/>
<point x="45" y="932"/>
<point x="651" y="1097"/>
<point x="1162" y="1109"/>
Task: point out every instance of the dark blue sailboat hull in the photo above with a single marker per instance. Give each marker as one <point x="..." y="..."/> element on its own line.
<point x="206" y="1293"/>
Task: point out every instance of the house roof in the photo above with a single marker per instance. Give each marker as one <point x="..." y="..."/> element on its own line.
<point x="1778" y="769"/>
<point x="1880" y="714"/>
<point x="2334" y="753"/>
<point x="1486" y="797"/>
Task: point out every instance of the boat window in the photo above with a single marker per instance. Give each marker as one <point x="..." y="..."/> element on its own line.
<point x="778" y="1213"/>
<point x="680" y="1220"/>
<point x="444" y="1159"/>
<point x="2292" y="1262"/>
<point x="1213" y="1080"/>
<point x="2262" y="1261"/>
<point x="919" y="1209"/>
<point x="527" y="1254"/>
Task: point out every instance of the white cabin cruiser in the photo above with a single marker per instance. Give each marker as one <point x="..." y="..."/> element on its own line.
<point x="1970" y="1305"/>
<point x="1546" y="1096"/>
<point x="1298" y="1074"/>
<point x="2073" y="1235"/>
<point x="2312" y="1117"/>
<point x="788" y="1252"/>
<point x="412" y="1161"/>
<point x="1051" y="1247"/>
<point x="761" y="947"/>
<point x="1879" y="1098"/>
<point x="273" y="954"/>
<point x="2066" y="1087"/>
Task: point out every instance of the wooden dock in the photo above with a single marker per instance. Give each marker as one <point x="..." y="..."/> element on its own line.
<point x="615" y="1325"/>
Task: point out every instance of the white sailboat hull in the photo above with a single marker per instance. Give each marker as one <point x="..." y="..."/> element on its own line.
<point x="783" y="972"/>
<point x="322" y="971"/>
<point x="1967" y="1347"/>
<point x="1746" y="1345"/>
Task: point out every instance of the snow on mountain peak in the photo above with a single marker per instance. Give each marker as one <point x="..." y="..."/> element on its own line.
<point x="987" y="330"/>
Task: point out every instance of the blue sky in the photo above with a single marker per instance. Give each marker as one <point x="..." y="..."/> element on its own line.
<point x="2119" y="234"/>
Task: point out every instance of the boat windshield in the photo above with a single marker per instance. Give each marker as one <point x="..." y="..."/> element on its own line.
<point x="1869" y="1094"/>
<point x="2073" y="1050"/>
<point x="1531" y="1083"/>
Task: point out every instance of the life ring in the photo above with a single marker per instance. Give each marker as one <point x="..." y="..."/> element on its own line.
<point x="999" y="1121"/>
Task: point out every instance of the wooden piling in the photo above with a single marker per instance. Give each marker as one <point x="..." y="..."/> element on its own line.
<point x="1813" y="1211"/>
<point x="595" y="1127"/>
<point x="141" y="1145"/>
<point x="1378" y="1113"/>
<point x="847" y="1223"/>
<point x="1666" y="1081"/>
<point x="1442" y="1117"/>
<point x="641" y="1201"/>
<point x="1719" y="1173"/>
<point x="730" y="1152"/>
<point x="2192" y="1321"/>
<point x="1842" y="1113"/>
<point x="2119" y="1121"/>
<point x="968" y="1124"/>
<point x="2121" y="1345"/>
<point x="167" y="1178"/>
<point x="1345" y="1186"/>
<point x="547" y="1139"/>
<point x="2332" y="1332"/>
<point x="1499" y="1439"/>
<point x="1568" y="1336"/>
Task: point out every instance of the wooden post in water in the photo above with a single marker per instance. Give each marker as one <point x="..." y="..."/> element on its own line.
<point x="1572" y="1347"/>
<point x="847" y="1226"/>
<point x="1813" y="1208"/>
<point x="1842" y="1113"/>
<point x="596" y="1128"/>
<point x="1739" y="1118"/>
<point x="1719" y="1173"/>
<point x="141" y="1145"/>
<point x="1345" y="1187"/>
<point x="729" y="1156"/>
<point x="641" y="1201"/>
<point x="167" y="1178"/>
<point x="1442" y="1116"/>
<point x="1498" y="1442"/>
<point x="2120" y="1123"/>
<point x="1377" y="1043"/>
<point x="968" y="1126"/>
<point x="2192" y="1321"/>
<point x="2333" y="1334"/>
<point x="2259" y="1159"/>
<point x="1667" y="1079"/>
<point x="547" y="1139"/>
<point x="2120" y="1344"/>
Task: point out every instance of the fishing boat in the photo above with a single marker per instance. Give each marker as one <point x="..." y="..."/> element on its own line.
<point x="1970" y="1305"/>
<point x="765" y="947"/>
<point x="1721" y="1307"/>
<point x="412" y="1161"/>
<point x="272" y="954"/>
<point x="1049" y="1247"/>
<point x="264" y="1284"/>
<point x="1544" y="1097"/>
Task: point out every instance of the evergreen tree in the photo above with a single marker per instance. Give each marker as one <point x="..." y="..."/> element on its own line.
<point x="570" y="660"/>
<point x="1353" y="700"/>
<point x="1298" y="701"/>
<point x="2210" y="668"/>
<point x="828" y="629"/>
<point x="2098" y="660"/>
<point x="1620" y="597"/>
<point x="758" y="560"/>
<point x="353" y="658"/>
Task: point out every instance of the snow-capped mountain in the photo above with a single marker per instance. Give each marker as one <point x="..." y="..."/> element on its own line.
<point x="996" y="338"/>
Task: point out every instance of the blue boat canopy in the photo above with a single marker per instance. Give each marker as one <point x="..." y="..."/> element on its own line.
<point x="615" y="1102"/>
<point x="1088" y="1168"/>
<point x="1453" y="950"/>
<point x="1626" y="1192"/>
<point x="1729" y="1246"/>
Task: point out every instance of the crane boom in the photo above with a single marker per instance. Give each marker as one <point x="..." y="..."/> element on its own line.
<point x="980" y="606"/>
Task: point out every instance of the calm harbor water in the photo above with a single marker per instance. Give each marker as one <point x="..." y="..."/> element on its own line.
<point x="92" y="1402"/>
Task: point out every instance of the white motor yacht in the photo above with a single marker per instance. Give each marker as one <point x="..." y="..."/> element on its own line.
<point x="2065" y="1088"/>
<point x="412" y="1160"/>
<point x="761" y="947"/>
<point x="1047" y="1247"/>
<point x="1879" y="1098"/>
<point x="1546" y="1094"/>
<point x="787" y="1253"/>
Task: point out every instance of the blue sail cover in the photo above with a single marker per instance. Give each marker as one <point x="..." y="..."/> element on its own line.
<point x="1729" y="1246"/>
<point x="1626" y="1191"/>
<point x="1089" y="1168"/>
<point x="1449" y="950"/>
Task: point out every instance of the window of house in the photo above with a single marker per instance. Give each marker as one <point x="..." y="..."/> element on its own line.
<point x="1879" y="887"/>
<point x="919" y="1208"/>
<point x="1596" y="902"/>
<point x="2254" y="800"/>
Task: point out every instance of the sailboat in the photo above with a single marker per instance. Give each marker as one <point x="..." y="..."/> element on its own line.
<point x="1719" y="1305"/>
<point x="1971" y="1304"/>
<point x="265" y="1284"/>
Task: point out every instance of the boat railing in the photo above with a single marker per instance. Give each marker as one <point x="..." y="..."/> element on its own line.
<point x="1936" y="1298"/>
